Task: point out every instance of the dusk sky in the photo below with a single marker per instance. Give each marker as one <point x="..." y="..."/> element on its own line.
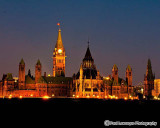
<point x="121" y="32"/>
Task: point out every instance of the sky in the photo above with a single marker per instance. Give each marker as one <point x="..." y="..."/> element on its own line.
<point x="120" y="32"/>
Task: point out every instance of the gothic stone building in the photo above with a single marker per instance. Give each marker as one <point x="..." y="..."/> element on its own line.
<point x="148" y="81"/>
<point x="118" y="87"/>
<point x="88" y="83"/>
<point x="28" y="86"/>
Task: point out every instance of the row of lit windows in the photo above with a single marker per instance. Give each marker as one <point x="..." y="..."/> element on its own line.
<point x="59" y="61"/>
<point x="87" y="64"/>
<point x="60" y="68"/>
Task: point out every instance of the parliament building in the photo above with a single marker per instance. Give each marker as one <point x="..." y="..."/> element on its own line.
<point x="86" y="83"/>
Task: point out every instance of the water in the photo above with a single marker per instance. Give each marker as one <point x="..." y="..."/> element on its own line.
<point x="82" y="112"/>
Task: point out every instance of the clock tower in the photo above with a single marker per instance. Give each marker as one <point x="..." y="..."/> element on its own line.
<point x="59" y="57"/>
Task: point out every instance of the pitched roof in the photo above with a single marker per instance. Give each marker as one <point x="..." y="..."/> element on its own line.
<point x="9" y="76"/>
<point x="55" y="80"/>
<point x="38" y="62"/>
<point x="114" y="82"/>
<point x="129" y="68"/>
<point x="88" y="73"/>
<point x="22" y="61"/>
<point x="42" y="80"/>
<point x="29" y="80"/>
<point x="59" y="43"/>
<point x="88" y="55"/>
<point x="115" y="67"/>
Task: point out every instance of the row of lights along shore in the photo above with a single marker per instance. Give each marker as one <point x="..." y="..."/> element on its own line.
<point x="77" y="96"/>
<point x="107" y="97"/>
<point x="20" y="97"/>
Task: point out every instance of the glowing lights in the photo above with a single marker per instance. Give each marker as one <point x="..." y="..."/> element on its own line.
<point x="106" y="96"/>
<point x="107" y="78"/>
<point x="59" y="50"/>
<point x="155" y="98"/>
<point x="52" y="95"/>
<point x="10" y="96"/>
<point x="112" y="97"/>
<point x="31" y="95"/>
<point x="46" y="97"/>
<point x="88" y="96"/>
<point x="125" y="98"/>
<point x="58" y="24"/>
<point x="20" y="97"/>
<point x="97" y="96"/>
<point x="49" y="75"/>
<point x="77" y="96"/>
<point x="73" y="95"/>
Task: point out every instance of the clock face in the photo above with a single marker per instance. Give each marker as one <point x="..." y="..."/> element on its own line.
<point x="59" y="50"/>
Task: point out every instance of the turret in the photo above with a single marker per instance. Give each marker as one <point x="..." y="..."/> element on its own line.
<point x="21" y="74"/>
<point x="129" y="75"/>
<point x="38" y="70"/>
<point x="115" y="73"/>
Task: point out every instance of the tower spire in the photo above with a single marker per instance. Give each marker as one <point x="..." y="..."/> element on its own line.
<point x="59" y="43"/>
<point x="88" y="42"/>
<point x="59" y="56"/>
<point x="149" y="72"/>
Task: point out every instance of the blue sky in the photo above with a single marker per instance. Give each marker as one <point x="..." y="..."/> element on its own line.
<point x="121" y="32"/>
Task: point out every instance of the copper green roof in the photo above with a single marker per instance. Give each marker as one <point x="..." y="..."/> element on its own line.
<point x="42" y="80"/>
<point x="29" y="80"/>
<point x="115" y="67"/>
<point x="129" y="68"/>
<point x="55" y="80"/>
<point x="38" y="62"/>
<point x="9" y="76"/>
<point x="88" y="73"/>
<point x="22" y="61"/>
<point x="114" y="82"/>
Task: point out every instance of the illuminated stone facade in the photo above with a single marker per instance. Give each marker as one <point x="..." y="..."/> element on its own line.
<point x="87" y="83"/>
<point x="39" y="86"/>
<point x="156" y="90"/>
<point x="59" y="57"/>
<point x="118" y="87"/>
